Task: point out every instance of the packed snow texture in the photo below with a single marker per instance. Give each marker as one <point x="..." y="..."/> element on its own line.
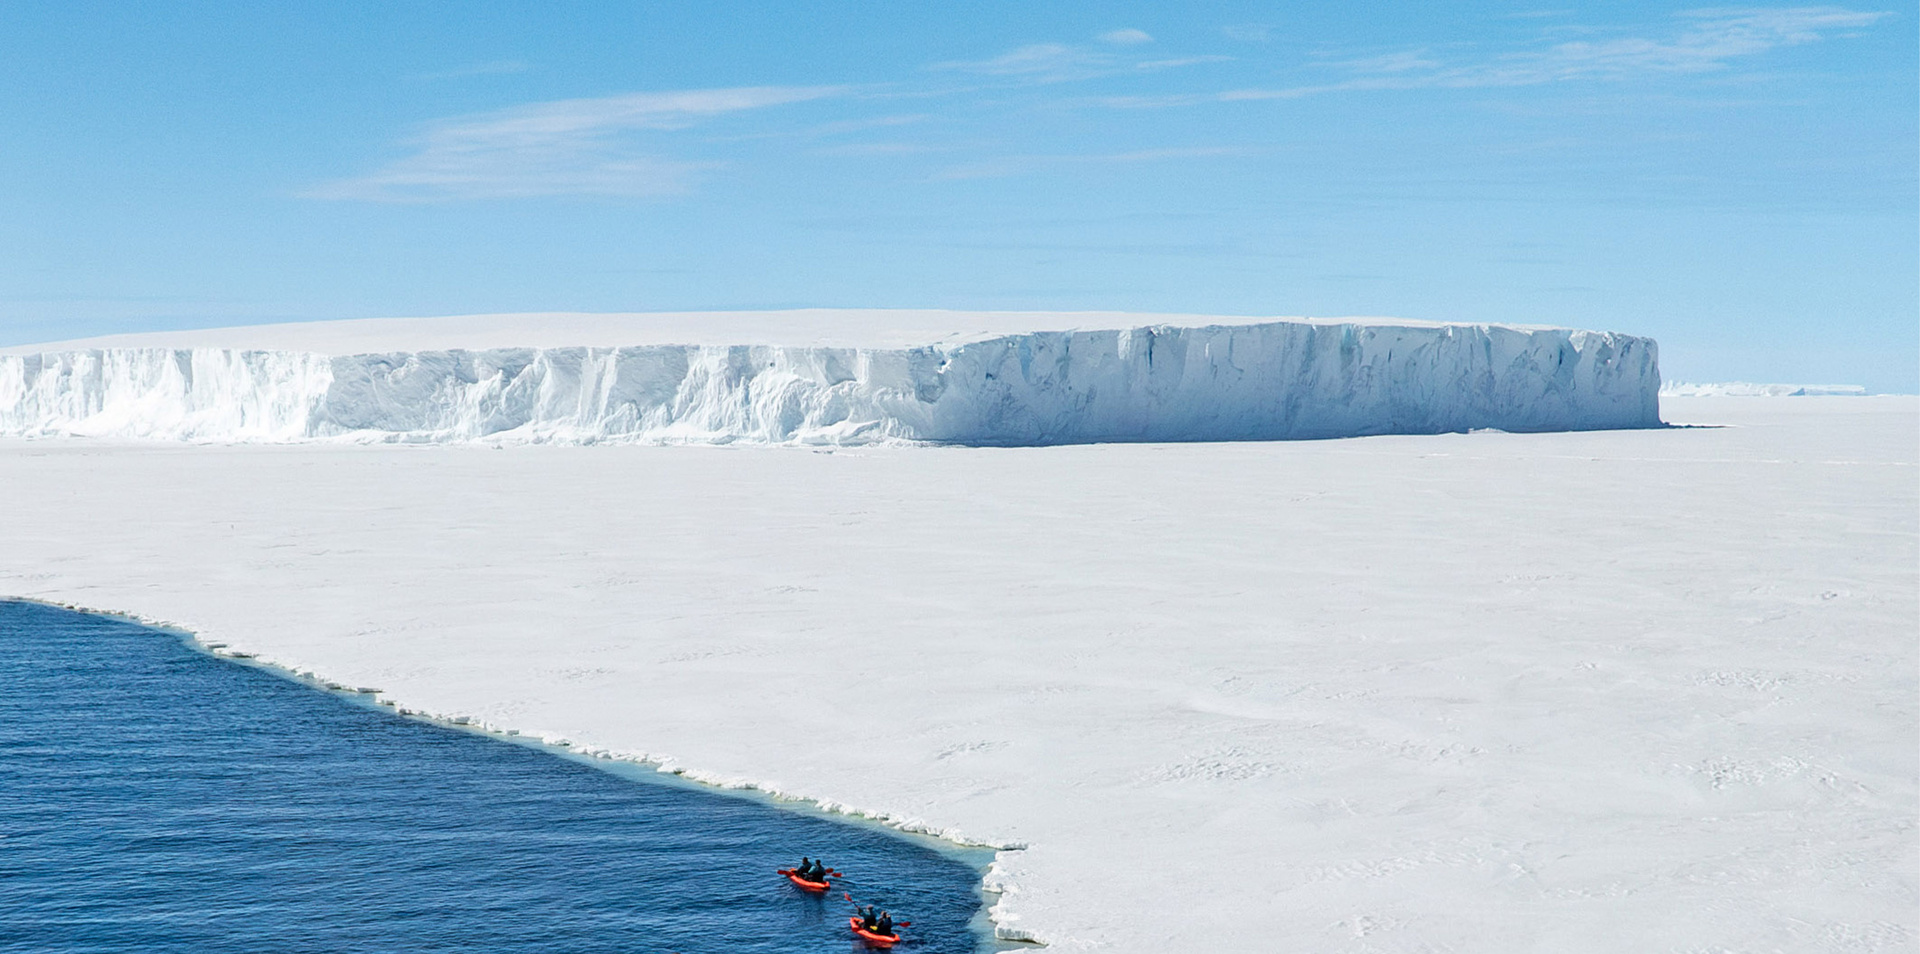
<point x="1745" y="389"/>
<point x="1638" y="690"/>
<point x="1263" y="381"/>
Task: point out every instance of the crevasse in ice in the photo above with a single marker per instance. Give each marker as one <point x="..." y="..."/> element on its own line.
<point x="1272" y="380"/>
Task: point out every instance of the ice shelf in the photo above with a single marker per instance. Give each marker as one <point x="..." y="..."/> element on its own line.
<point x="1264" y="380"/>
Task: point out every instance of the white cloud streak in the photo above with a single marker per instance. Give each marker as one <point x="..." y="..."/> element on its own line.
<point x="1248" y="32"/>
<point x="1061" y="62"/>
<point x="1039" y="62"/>
<point x="495" y="68"/>
<point x="609" y="146"/>
<point x="565" y="147"/>
<point x="1710" y="40"/>
<point x="1007" y="166"/>
<point x="1175" y="63"/>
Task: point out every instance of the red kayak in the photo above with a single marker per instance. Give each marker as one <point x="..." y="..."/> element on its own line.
<point x="880" y="940"/>
<point x="817" y="887"/>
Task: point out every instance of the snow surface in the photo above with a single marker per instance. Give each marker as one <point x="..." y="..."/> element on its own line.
<point x="1745" y="389"/>
<point x="1640" y="690"/>
<point x="853" y="378"/>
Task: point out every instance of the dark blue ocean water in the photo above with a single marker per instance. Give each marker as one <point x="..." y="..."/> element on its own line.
<point x="155" y="799"/>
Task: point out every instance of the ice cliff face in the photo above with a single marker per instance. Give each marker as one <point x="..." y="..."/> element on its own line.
<point x="1274" y="380"/>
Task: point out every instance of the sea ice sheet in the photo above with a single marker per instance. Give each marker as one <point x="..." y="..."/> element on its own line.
<point x="1641" y="690"/>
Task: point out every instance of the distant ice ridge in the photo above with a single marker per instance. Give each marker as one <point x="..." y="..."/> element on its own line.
<point x="1264" y="381"/>
<point x="1744" y="389"/>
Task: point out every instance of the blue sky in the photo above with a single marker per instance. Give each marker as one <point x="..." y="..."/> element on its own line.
<point x="1739" y="183"/>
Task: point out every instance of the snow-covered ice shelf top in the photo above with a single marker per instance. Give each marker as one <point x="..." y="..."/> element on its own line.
<point x="830" y="377"/>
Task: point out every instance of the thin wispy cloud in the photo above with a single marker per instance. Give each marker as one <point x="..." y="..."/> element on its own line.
<point x="624" y="145"/>
<point x="865" y="149"/>
<point x="1063" y="62"/>
<point x="1711" y="41"/>
<point x="566" y="147"/>
<point x="1148" y="66"/>
<point x="1706" y="41"/>
<point x="1039" y="62"/>
<point x="1005" y="166"/>
<point x="1404" y="61"/>
<point x="495" y="68"/>
<point x="872" y="122"/>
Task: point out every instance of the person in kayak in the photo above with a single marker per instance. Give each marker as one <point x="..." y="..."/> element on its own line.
<point x="818" y="872"/>
<point x="884" y="925"/>
<point x="869" y="921"/>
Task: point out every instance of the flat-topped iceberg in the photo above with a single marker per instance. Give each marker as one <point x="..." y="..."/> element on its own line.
<point x="1193" y="381"/>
